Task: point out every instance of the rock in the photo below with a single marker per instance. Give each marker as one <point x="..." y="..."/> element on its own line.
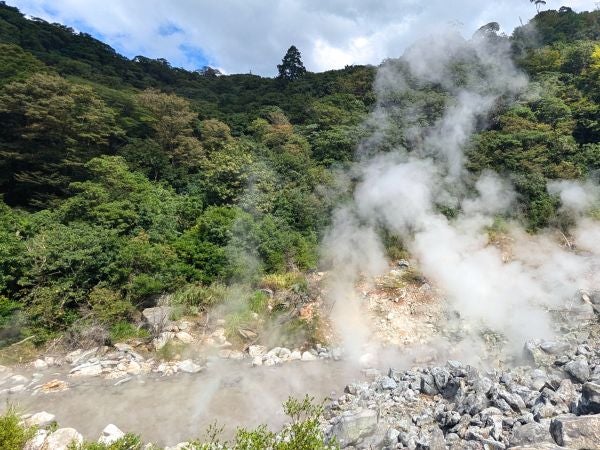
<point x="296" y="355"/>
<point x="308" y="356"/>
<point x="532" y="433"/>
<point x="188" y="366"/>
<point x="37" y="441"/>
<point x="554" y="347"/>
<point x="257" y="361"/>
<point x="185" y="337"/>
<point x="578" y="369"/>
<point x="590" y="399"/>
<point x="157" y="318"/>
<point x="16" y="389"/>
<point x="391" y="437"/>
<point x="578" y="433"/>
<point x="86" y="370"/>
<point x="388" y="383"/>
<point x="40" y="364"/>
<point x="353" y="426"/>
<point x="19" y="379"/>
<point x="62" y="438"/>
<point x="257" y="350"/>
<point x="41" y="419"/>
<point x="122" y="347"/>
<point x="161" y="340"/>
<point x="110" y="434"/>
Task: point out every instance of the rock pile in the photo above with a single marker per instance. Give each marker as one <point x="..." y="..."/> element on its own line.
<point x="554" y="403"/>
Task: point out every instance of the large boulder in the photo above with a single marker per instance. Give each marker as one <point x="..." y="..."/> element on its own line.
<point x="533" y="433"/>
<point x="354" y="426"/>
<point x="590" y="399"/>
<point x="578" y="369"/>
<point x="577" y="432"/>
<point x="62" y="439"/>
<point x="157" y="318"/>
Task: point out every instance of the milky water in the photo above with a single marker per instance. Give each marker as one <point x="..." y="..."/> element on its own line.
<point x="168" y="410"/>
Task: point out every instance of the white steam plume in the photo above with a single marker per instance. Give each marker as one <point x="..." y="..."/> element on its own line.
<point x="408" y="172"/>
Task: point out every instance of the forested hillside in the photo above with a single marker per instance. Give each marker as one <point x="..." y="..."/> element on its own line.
<point x="123" y="180"/>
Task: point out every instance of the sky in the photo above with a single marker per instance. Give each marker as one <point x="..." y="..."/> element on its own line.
<point x="242" y="36"/>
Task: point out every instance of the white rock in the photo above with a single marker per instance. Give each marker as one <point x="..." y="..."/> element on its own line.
<point x="133" y="368"/>
<point x="257" y="350"/>
<point x="162" y="340"/>
<point x="41" y="419"/>
<point x="185" y="337"/>
<point x="295" y="355"/>
<point x="86" y="370"/>
<point x="62" y="438"/>
<point x="110" y="434"/>
<point x="19" y="379"/>
<point x="122" y="347"/>
<point x="257" y="361"/>
<point x="40" y="364"/>
<point x="271" y="360"/>
<point x="188" y="366"/>
<point x="308" y="356"/>
<point x="73" y="355"/>
<point x="37" y="441"/>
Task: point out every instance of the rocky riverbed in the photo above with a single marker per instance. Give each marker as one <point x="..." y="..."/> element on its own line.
<point x="435" y="390"/>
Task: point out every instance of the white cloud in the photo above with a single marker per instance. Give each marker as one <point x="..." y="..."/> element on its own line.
<point x="253" y="35"/>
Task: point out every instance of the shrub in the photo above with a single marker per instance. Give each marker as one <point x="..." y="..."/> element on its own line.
<point x="121" y="331"/>
<point x="127" y="442"/>
<point x="13" y="435"/>
<point x="280" y="281"/>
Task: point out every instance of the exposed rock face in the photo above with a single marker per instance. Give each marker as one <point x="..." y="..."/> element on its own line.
<point x="580" y="433"/>
<point x="157" y="318"/>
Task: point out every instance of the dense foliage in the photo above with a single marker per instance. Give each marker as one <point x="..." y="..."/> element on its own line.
<point x="123" y="180"/>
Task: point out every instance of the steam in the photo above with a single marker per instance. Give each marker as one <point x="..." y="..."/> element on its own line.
<point x="410" y="171"/>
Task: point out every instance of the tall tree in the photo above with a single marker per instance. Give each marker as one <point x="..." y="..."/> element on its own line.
<point x="173" y="120"/>
<point x="51" y="127"/>
<point x="538" y="4"/>
<point x="291" y="67"/>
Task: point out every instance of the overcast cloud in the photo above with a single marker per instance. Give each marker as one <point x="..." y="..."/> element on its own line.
<point x="239" y="36"/>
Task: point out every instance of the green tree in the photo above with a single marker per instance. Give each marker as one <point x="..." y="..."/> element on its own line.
<point x="50" y="128"/>
<point x="291" y="67"/>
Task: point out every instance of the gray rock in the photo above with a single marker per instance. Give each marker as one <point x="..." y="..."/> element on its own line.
<point x="581" y="433"/>
<point x="157" y="318"/>
<point x="188" y="366"/>
<point x="532" y="433"/>
<point x="41" y="419"/>
<point x="554" y="347"/>
<point x="353" y="426"/>
<point x="437" y="442"/>
<point x="578" y="369"/>
<point x="388" y="383"/>
<point x="428" y="385"/>
<point x="62" y="438"/>
<point x="590" y="399"/>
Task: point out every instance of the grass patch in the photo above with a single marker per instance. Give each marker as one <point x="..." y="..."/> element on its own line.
<point x="13" y="435"/>
<point x="122" y="331"/>
<point x="19" y="353"/>
<point x="279" y="281"/>
<point x="127" y="442"/>
<point x="197" y="295"/>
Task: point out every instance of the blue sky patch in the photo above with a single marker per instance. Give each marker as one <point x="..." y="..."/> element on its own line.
<point x="168" y="29"/>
